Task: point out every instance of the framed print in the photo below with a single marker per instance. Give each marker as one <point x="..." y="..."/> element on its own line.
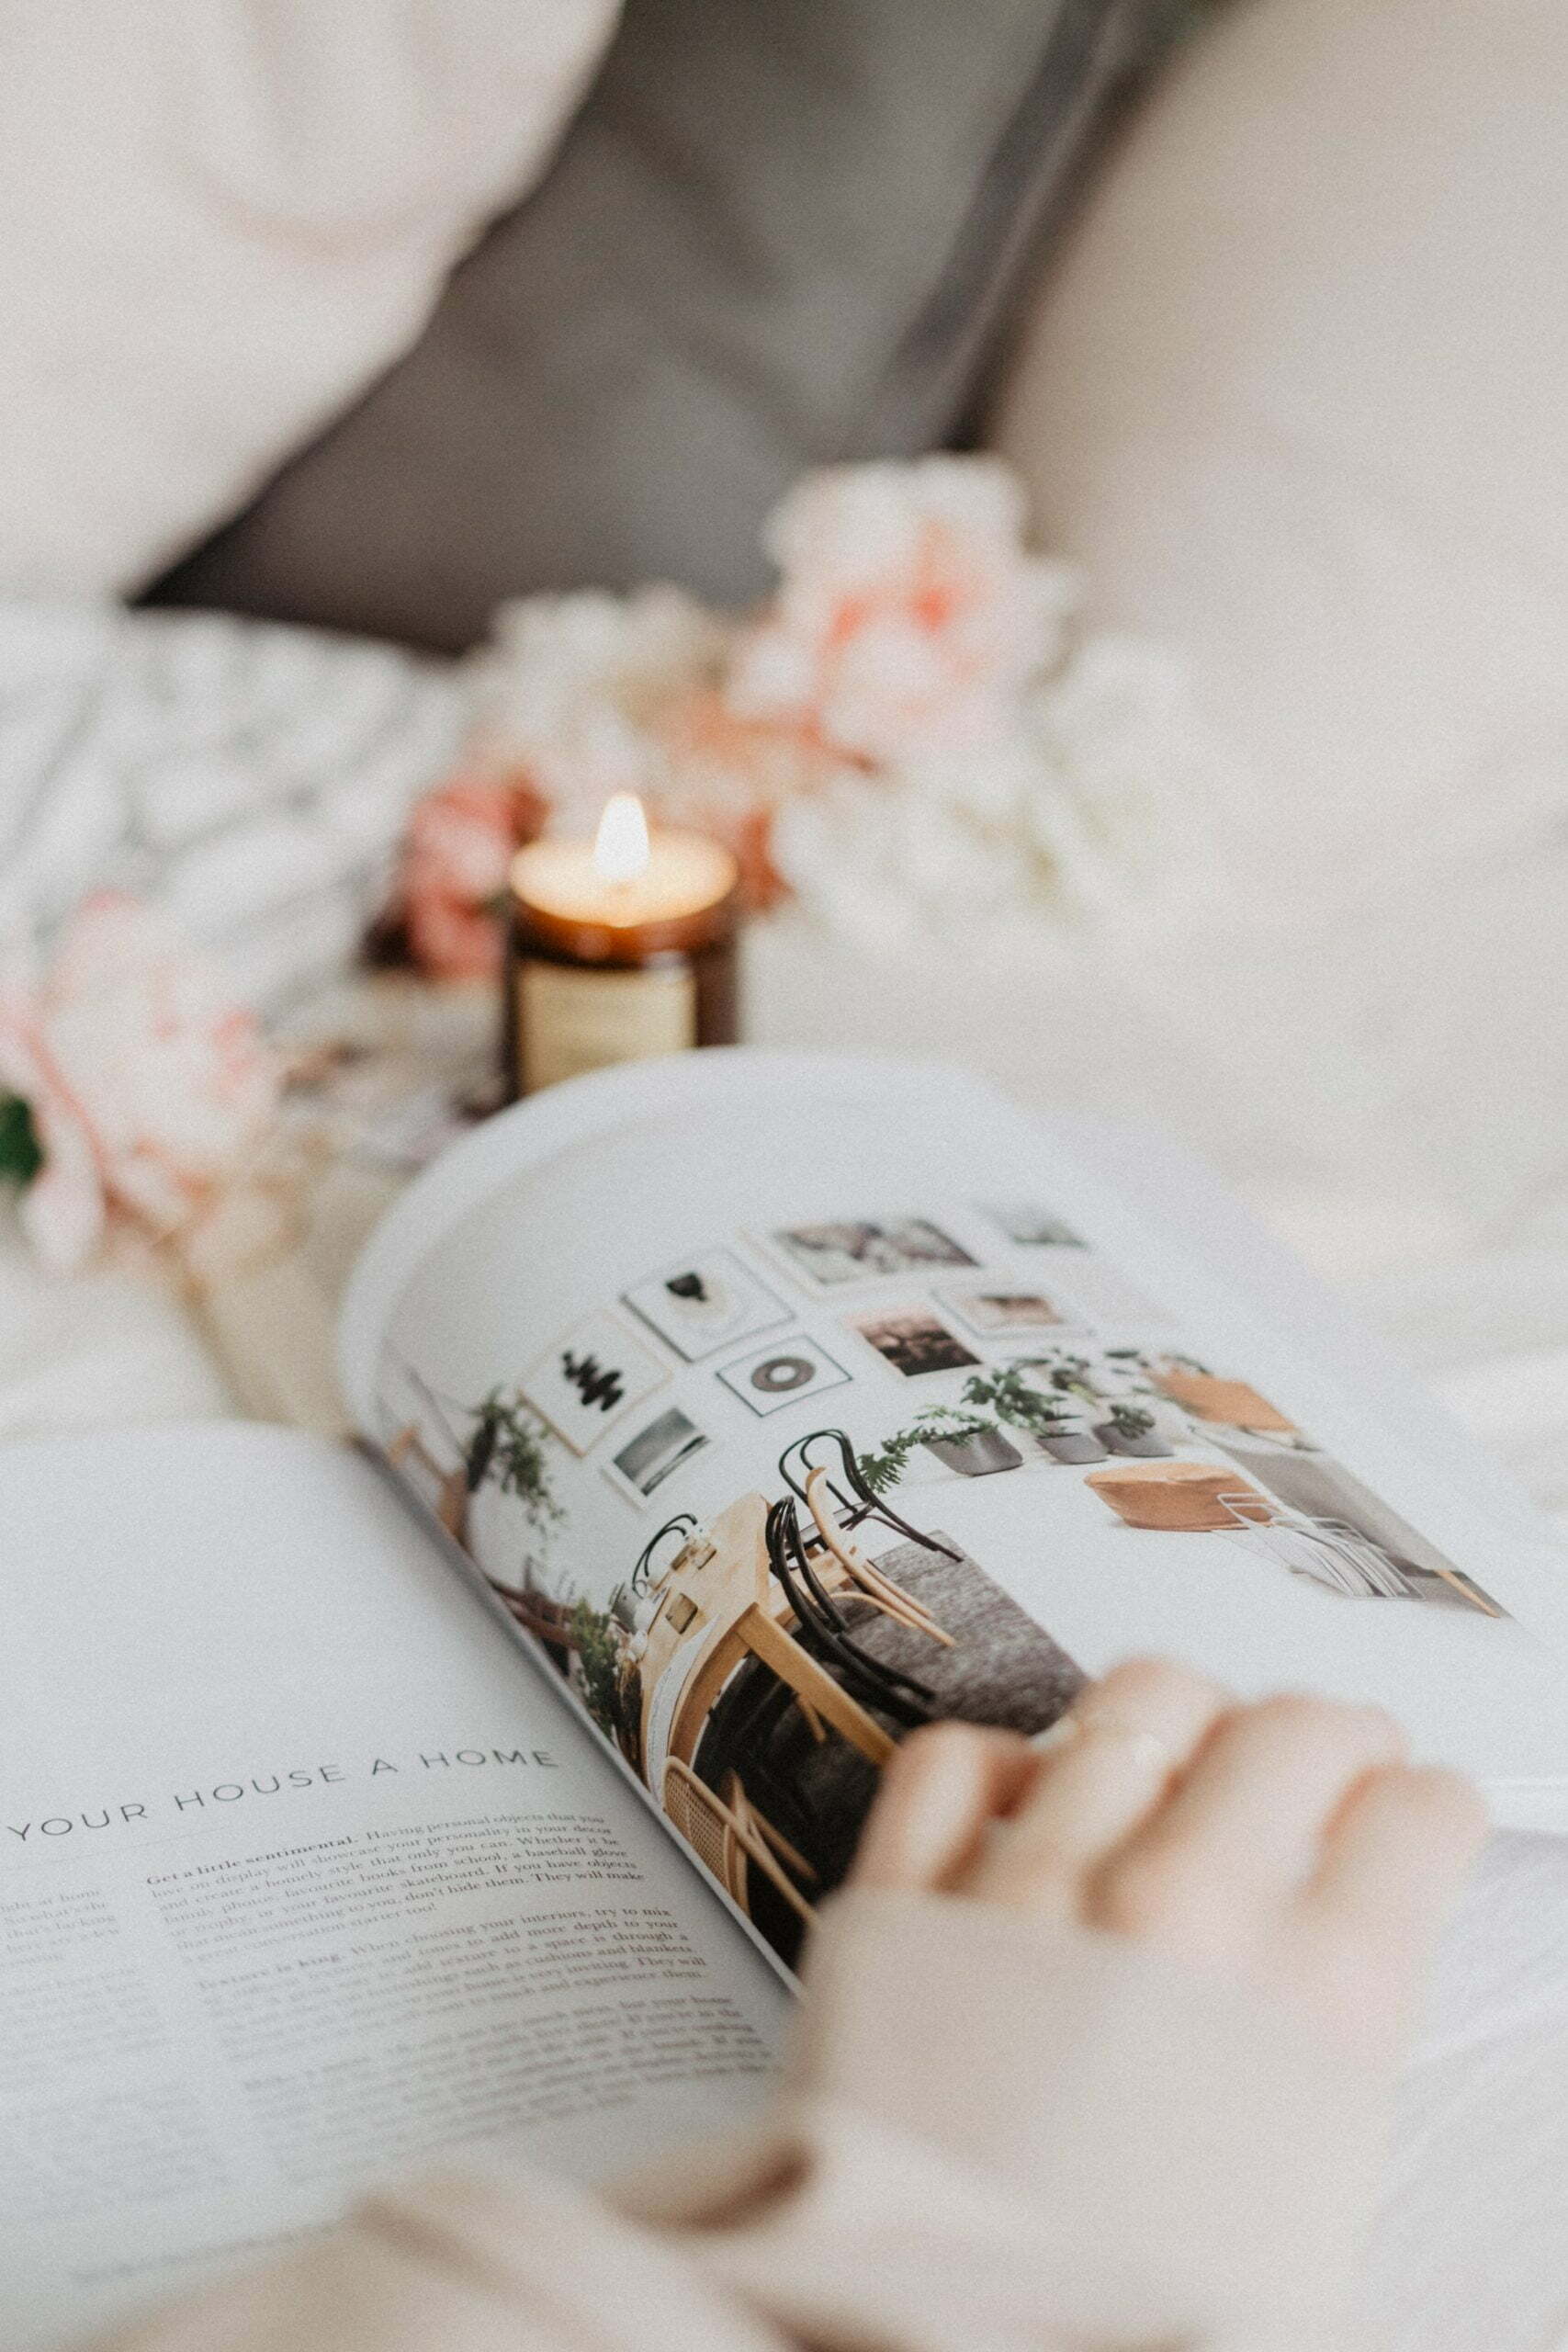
<point x="858" y="1250"/>
<point x="1000" y="1310"/>
<point x="913" y="1340"/>
<point x="783" y="1374"/>
<point x="585" y="1384"/>
<point x="708" y="1301"/>
<point x="1029" y="1227"/>
<point x="640" y="1467"/>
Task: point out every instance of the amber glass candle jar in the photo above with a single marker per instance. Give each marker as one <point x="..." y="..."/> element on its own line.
<point x="618" y="949"/>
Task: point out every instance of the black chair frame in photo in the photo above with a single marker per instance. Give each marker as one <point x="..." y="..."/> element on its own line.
<point x="683" y="1524"/>
<point x="859" y="1503"/>
<point x="793" y="1556"/>
<point x="824" y="1629"/>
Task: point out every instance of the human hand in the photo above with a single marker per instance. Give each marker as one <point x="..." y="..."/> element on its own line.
<point x="1288" y="1844"/>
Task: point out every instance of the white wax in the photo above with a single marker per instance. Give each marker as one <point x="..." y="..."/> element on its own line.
<point x="685" y="873"/>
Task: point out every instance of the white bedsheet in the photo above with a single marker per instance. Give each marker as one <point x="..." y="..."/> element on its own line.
<point x="175" y="754"/>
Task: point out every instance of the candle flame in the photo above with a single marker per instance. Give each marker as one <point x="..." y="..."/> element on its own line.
<point x="620" y="846"/>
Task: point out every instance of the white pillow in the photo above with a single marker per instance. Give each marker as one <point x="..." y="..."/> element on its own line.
<point x="222" y="218"/>
<point x="1298" y="399"/>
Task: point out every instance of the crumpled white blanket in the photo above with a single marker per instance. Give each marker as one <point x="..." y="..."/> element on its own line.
<point x="252" y="778"/>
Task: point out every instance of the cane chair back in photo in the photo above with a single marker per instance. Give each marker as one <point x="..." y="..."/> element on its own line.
<point x="879" y="1589"/>
<point x="728" y="1834"/>
<point x="824" y="1627"/>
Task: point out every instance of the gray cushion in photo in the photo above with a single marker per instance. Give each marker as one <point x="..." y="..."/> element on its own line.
<point x="781" y="232"/>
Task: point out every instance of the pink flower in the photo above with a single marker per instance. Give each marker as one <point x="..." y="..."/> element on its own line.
<point x="908" y="609"/>
<point x="461" y="841"/>
<point x="729" y="776"/>
<point x="150" y="1090"/>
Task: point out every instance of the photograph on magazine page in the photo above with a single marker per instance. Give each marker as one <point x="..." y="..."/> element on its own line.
<point x="772" y="1507"/>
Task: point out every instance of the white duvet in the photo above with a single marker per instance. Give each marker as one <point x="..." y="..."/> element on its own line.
<point x="256" y="779"/>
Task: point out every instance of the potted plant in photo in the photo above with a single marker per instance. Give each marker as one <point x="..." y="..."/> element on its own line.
<point x="599" y="1642"/>
<point x="1128" y="1371"/>
<point x="1056" y="1427"/>
<point x="1129" y="1428"/>
<point x="509" y="1448"/>
<point x="968" y="1442"/>
<point x="1073" y="1436"/>
<point x="1107" y="1391"/>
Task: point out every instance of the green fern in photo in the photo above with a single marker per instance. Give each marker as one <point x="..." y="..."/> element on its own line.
<point x="21" y="1156"/>
<point x="510" y="1446"/>
<point x="597" y="1638"/>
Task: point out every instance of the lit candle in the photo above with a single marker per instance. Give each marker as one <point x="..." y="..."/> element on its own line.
<point x="620" y="948"/>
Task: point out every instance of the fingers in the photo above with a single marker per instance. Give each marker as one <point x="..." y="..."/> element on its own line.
<point x="942" y="1789"/>
<point x="1288" y="1839"/>
<point x="1134" y="1732"/>
<point x="1393" y="1859"/>
<point x="1240" y="1836"/>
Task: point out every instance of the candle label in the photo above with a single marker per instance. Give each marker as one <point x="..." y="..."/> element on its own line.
<point x="569" y="1020"/>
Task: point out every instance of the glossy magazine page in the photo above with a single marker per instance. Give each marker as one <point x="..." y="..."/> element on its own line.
<point x="789" y="1404"/>
<point x="306" y="1878"/>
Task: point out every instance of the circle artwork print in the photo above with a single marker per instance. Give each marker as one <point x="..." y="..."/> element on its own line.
<point x="776" y="1375"/>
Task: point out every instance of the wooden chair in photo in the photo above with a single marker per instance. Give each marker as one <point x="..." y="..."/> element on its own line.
<point x="449" y="1500"/>
<point x="817" y="1580"/>
<point x="727" y="1832"/>
<point x="718" y="1604"/>
<point x="867" y="1578"/>
<point x="830" y="1561"/>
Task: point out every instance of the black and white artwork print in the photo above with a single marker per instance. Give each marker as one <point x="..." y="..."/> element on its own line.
<point x="706" y="1302"/>
<point x="645" y="1461"/>
<point x="591" y="1379"/>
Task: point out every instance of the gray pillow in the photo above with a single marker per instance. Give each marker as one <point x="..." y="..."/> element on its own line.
<point x="780" y="233"/>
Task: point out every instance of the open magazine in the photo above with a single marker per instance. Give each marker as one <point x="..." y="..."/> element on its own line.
<point x="722" y="1421"/>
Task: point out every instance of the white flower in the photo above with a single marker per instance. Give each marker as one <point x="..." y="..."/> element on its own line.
<point x="572" y="688"/>
<point x="908" y="734"/>
<point x="1085" y="801"/>
<point x="908" y="609"/>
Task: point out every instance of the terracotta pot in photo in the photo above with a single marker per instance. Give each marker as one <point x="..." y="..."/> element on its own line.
<point x="1185" y="1497"/>
<point x="1234" y="1402"/>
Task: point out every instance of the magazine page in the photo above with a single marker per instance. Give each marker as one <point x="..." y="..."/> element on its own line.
<point x="305" y="1876"/>
<point x="792" y="1404"/>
